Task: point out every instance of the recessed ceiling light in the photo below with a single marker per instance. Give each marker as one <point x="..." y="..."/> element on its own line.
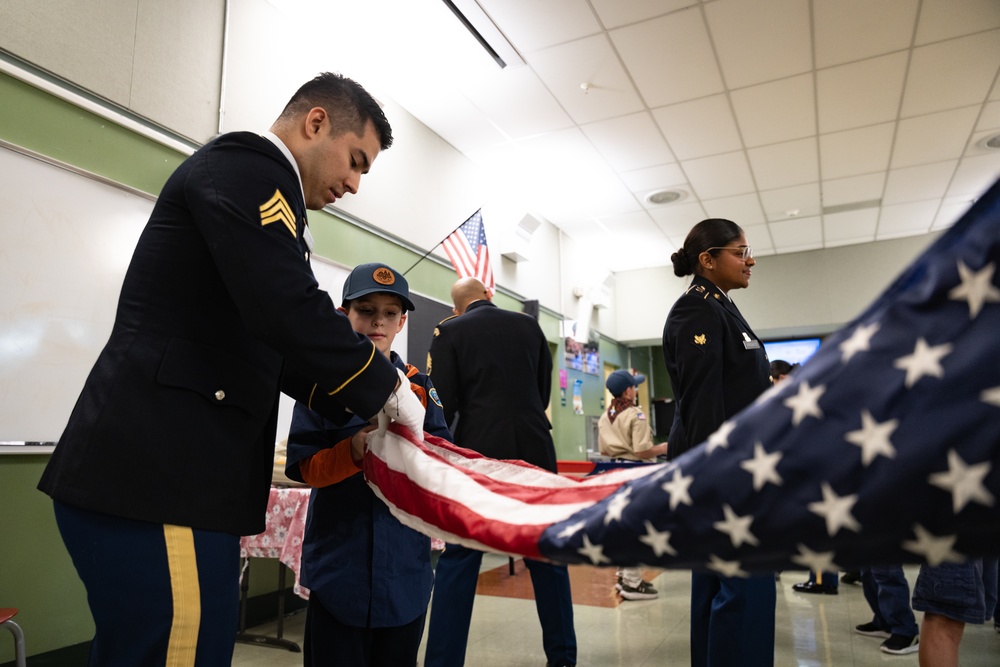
<point x="992" y="142"/>
<point x="665" y="196"/>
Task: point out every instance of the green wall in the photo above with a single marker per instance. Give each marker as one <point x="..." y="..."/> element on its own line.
<point x="36" y="574"/>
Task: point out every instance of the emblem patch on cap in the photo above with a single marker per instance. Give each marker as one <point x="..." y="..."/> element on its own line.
<point x="384" y="276"/>
<point x="700" y="339"/>
<point x="276" y="209"/>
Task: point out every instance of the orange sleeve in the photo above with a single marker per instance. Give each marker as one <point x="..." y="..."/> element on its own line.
<point x="329" y="466"/>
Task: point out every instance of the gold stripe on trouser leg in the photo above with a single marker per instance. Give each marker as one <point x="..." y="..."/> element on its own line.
<point x="186" y="595"/>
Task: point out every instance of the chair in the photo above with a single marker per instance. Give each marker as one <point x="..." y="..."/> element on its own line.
<point x="5" y="620"/>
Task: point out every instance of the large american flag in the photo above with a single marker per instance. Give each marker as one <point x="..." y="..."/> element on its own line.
<point x="883" y="448"/>
<point x="467" y="250"/>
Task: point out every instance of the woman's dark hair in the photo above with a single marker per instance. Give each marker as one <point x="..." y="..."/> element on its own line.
<point x="780" y="367"/>
<point x="710" y="233"/>
<point x="347" y="103"/>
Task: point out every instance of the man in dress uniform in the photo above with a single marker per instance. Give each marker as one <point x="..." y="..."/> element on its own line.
<point x="493" y="371"/>
<point x="167" y="457"/>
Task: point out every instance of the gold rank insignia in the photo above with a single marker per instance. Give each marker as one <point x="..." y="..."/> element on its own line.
<point x="276" y="209"/>
<point x="437" y="332"/>
<point x="700" y="339"/>
<point x="428" y="363"/>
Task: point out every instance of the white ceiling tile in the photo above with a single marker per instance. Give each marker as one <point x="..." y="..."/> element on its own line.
<point x="933" y="82"/>
<point x="934" y="137"/>
<point x="848" y="30"/>
<point x="530" y="25"/>
<point x="742" y="209"/>
<point x="950" y="212"/>
<point x="916" y="183"/>
<point x="719" y="175"/>
<point x="853" y="189"/>
<point x="801" y="201"/>
<point x="796" y="235"/>
<point x="850" y="226"/>
<point x="975" y="175"/>
<point x="678" y="219"/>
<point x="786" y="164"/>
<point x="537" y="110"/>
<point x="560" y="174"/>
<point x="457" y="121"/>
<point x="654" y="178"/>
<point x="989" y="119"/>
<point x="760" y="40"/>
<point x="699" y="127"/>
<point x="636" y="224"/>
<point x="861" y="93"/>
<point x="653" y="253"/>
<point x="943" y="19"/>
<point x="590" y="60"/>
<point x="670" y="58"/>
<point x="855" y="152"/>
<point x="629" y="142"/>
<point x="907" y="219"/>
<point x="759" y="238"/>
<point x="615" y="13"/>
<point x="776" y="111"/>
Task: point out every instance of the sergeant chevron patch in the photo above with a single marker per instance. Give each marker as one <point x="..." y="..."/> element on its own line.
<point x="277" y="209"/>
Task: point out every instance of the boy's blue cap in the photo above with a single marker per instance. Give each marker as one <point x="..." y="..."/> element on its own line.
<point x="621" y="380"/>
<point x="375" y="277"/>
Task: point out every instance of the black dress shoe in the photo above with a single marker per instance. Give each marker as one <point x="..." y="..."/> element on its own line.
<point x="813" y="587"/>
<point x="851" y="577"/>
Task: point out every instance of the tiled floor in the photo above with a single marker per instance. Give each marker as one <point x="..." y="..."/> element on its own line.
<point x="811" y="630"/>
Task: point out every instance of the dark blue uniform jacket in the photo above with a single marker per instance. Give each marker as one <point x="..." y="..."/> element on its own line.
<point x="365" y="567"/>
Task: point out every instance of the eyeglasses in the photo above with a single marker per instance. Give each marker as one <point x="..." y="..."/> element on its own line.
<point x="745" y="251"/>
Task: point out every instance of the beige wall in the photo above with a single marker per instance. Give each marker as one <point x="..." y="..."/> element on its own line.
<point x="801" y="293"/>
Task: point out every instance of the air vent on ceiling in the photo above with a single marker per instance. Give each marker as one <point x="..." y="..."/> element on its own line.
<point x="665" y="196"/>
<point x="852" y="206"/>
<point x="991" y="142"/>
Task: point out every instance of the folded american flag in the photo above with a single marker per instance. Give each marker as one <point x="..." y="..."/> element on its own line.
<point x="883" y="448"/>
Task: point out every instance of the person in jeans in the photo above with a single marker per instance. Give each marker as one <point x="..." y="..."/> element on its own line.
<point x="888" y="595"/>
<point x="951" y="595"/>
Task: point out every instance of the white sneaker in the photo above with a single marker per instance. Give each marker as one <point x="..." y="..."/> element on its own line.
<point x="900" y="644"/>
<point x="644" y="591"/>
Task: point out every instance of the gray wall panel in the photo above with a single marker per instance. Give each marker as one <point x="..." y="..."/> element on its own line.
<point x="178" y="65"/>
<point x="88" y="43"/>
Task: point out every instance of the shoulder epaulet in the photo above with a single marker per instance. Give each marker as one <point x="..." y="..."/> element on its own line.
<point x="703" y="291"/>
<point x="437" y="332"/>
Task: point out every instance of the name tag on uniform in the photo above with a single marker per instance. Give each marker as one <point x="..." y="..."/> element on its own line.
<point x="750" y="344"/>
<point x="308" y="238"/>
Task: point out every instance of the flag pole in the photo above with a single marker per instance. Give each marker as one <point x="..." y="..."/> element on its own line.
<point x="441" y="241"/>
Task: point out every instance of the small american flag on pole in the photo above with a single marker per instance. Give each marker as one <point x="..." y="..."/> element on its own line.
<point x="466" y="248"/>
<point x="883" y="448"/>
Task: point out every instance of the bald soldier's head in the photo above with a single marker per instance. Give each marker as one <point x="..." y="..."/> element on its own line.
<point x="467" y="290"/>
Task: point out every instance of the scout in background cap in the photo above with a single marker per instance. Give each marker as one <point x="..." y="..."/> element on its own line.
<point x="621" y="380"/>
<point x="376" y="277"/>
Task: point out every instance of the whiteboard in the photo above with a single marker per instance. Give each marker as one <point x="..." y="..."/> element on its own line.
<point x="67" y="239"/>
